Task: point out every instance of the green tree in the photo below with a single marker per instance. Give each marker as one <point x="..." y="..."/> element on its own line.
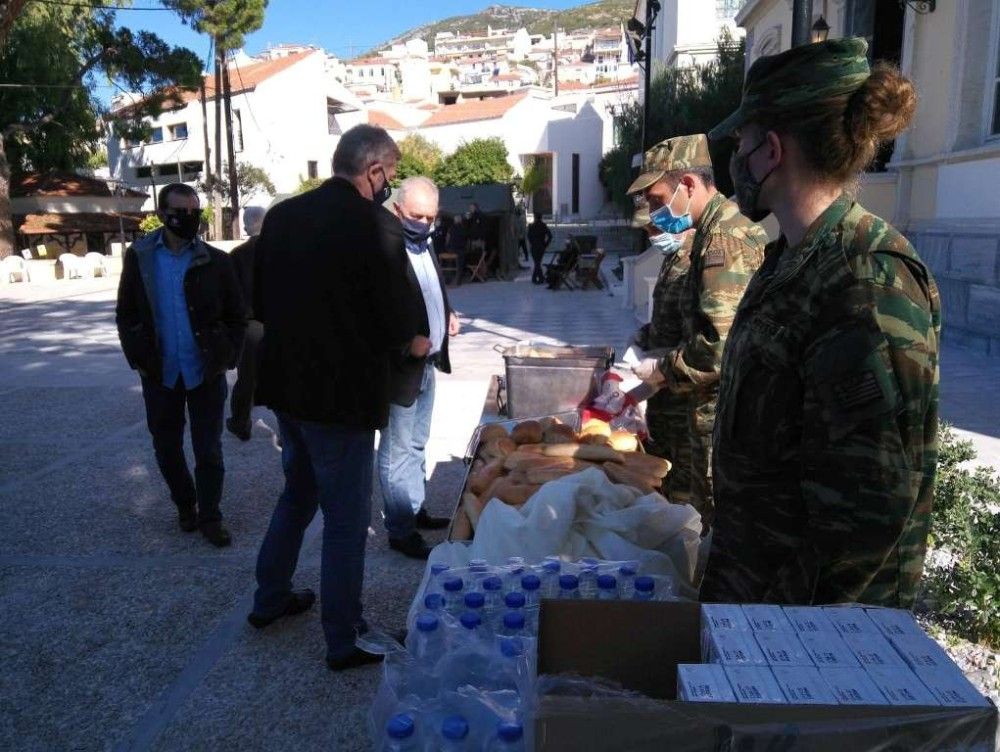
<point x="482" y="160"/>
<point x="251" y="181"/>
<point x="307" y="184"/>
<point x="418" y="157"/>
<point x="536" y="177"/>
<point x="62" y="50"/>
<point x="682" y="102"/>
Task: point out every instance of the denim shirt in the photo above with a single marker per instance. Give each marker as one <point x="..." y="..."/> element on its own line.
<point x="181" y="356"/>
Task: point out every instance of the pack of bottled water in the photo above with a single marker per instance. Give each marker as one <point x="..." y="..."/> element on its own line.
<point x="468" y="666"/>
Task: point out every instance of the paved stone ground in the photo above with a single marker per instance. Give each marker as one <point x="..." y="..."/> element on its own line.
<point x="119" y="632"/>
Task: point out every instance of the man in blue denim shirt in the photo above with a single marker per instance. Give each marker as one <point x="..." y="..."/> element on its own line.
<point x="181" y="321"/>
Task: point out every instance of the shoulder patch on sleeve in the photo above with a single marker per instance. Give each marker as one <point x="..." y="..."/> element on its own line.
<point x="715" y="255"/>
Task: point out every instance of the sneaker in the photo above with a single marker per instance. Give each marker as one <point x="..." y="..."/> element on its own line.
<point x="412" y="545"/>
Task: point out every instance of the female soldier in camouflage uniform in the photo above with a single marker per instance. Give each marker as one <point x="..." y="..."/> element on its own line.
<point x="826" y="431"/>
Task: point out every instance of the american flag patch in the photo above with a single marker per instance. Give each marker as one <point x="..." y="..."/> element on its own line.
<point x="857" y="390"/>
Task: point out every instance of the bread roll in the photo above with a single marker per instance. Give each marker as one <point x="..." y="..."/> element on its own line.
<point x="646" y="464"/>
<point x="560" y="434"/>
<point x="519" y="460"/>
<point x="619" y="474"/>
<point x="492" y="431"/>
<point x="595" y="439"/>
<point x="624" y="441"/>
<point x="547" y="423"/>
<point x="584" y="452"/>
<point x="472" y="508"/>
<point x="461" y="530"/>
<point x="595" y="427"/>
<point x="531" y="448"/>
<point x="527" y="432"/>
<point x="509" y="492"/>
<point x="480" y="480"/>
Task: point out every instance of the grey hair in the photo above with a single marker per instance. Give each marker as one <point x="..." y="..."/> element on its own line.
<point x="413" y="182"/>
<point x="362" y="146"/>
<point x="253" y="218"/>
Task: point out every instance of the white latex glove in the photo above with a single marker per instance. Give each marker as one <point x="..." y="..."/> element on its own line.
<point x="648" y="370"/>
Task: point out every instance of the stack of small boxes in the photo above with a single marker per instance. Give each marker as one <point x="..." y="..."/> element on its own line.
<point x="832" y="655"/>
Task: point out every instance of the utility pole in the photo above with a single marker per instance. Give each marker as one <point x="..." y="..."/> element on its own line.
<point x="802" y="13"/>
<point x="652" y="8"/>
<point x="234" y="198"/>
<point x="216" y="198"/>
<point x="555" y="54"/>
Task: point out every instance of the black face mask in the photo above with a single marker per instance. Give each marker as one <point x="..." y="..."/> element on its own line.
<point x="183" y="223"/>
<point x="382" y="195"/>
<point x="747" y="187"/>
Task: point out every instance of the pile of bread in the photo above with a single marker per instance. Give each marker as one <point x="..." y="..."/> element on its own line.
<point x="512" y="467"/>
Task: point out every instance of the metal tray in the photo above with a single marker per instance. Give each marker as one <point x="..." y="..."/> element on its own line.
<point x="548" y="379"/>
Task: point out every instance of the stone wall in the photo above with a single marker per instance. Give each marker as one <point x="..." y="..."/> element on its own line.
<point x="967" y="268"/>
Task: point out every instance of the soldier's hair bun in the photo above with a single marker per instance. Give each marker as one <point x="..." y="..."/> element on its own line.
<point x="881" y="109"/>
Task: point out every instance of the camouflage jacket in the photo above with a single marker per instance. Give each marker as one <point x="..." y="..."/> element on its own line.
<point x="826" y="429"/>
<point x="727" y="249"/>
<point x="665" y="328"/>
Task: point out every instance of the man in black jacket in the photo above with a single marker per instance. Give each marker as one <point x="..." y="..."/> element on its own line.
<point x="181" y="319"/>
<point x="330" y="289"/>
<point x="402" y="462"/>
<point x="240" y="406"/>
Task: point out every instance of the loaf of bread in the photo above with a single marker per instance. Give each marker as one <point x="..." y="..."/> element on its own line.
<point x="560" y="434"/>
<point x="646" y="464"/>
<point x="473" y="507"/>
<point x="509" y="492"/>
<point x="527" y="432"/>
<point x="595" y="427"/>
<point x="493" y="431"/>
<point x="624" y="441"/>
<point x="519" y="460"/>
<point x="620" y="474"/>
<point x="584" y="452"/>
<point x="481" y="479"/>
<point x="497" y="448"/>
<point x="461" y="530"/>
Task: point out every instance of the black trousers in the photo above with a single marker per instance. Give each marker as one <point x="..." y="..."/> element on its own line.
<point x="246" y="375"/>
<point x="523" y="247"/>
<point x="206" y="406"/>
<point x="537" y="254"/>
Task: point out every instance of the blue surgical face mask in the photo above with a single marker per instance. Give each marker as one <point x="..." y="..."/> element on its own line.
<point x="667" y="243"/>
<point x="416" y="233"/>
<point x="665" y="219"/>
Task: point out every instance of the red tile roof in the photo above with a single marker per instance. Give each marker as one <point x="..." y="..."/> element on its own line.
<point x="464" y="112"/>
<point x="385" y="120"/>
<point x="60" y="224"/>
<point x="60" y="183"/>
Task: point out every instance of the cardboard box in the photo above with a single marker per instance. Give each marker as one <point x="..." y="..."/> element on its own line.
<point x="901" y="686"/>
<point x="755" y="685"/>
<point x="803" y="685"/>
<point x="894" y="622"/>
<point x="784" y="649"/>
<point x="873" y="651"/>
<point x="951" y="688"/>
<point x="808" y="619"/>
<point x="729" y="648"/>
<point x="850" y="620"/>
<point x="721" y="616"/>
<point x="639" y="646"/>
<point x="703" y="682"/>
<point x="767" y="618"/>
<point x="853" y="686"/>
<point x="828" y="650"/>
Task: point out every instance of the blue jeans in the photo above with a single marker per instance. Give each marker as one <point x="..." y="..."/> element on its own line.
<point x="402" y="462"/>
<point x="329" y="466"/>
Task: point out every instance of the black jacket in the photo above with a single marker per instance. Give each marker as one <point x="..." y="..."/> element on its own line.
<point x="407" y="371"/>
<point x="243" y="261"/>
<point x="330" y="288"/>
<point x="215" y="308"/>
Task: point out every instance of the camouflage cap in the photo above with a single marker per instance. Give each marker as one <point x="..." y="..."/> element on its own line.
<point x="797" y="78"/>
<point x="679" y="153"/>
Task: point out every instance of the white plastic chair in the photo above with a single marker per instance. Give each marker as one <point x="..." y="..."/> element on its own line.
<point x="26" y="254"/>
<point x="73" y="266"/>
<point x="15" y="266"/>
<point x="97" y="266"/>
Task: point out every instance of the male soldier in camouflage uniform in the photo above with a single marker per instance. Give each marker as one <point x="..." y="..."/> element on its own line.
<point x="726" y="250"/>
<point x="826" y="435"/>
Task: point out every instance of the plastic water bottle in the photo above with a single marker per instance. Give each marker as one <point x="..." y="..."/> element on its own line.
<point x="454" y="599"/>
<point x="474" y="604"/>
<point x="493" y="592"/>
<point x="530" y="587"/>
<point x="588" y="582"/>
<point x="645" y="588"/>
<point x="514" y="601"/>
<point x="435" y="583"/>
<point x="626" y="579"/>
<point x="479" y="570"/>
<point x="607" y="588"/>
<point x="509" y="667"/>
<point x="509" y="738"/>
<point x="429" y="641"/>
<point x="513" y="624"/>
<point x="434" y="603"/>
<point x="549" y="574"/>
<point x="471" y="621"/>
<point x="569" y="587"/>
<point x="454" y="734"/>
<point x="401" y="735"/>
<point x="515" y="570"/>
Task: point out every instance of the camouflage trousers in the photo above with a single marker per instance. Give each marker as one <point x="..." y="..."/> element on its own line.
<point x="680" y="430"/>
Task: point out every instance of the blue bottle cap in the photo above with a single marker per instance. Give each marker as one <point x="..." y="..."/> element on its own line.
<point x="607" y="582"/>
<point x="531" y="582"/>
<point x="628" y="570"/>
<point x="470" y="620"/>
<point x="437" y="569"/>
<point x="512" y="647"/>
<point x="552" y="565"/>
<point x="513" y="620"/>
<point x="510" y="732"/>
<point x="427" y="622"/>
<point x="400" y="726"/>
<point x="454" y="728"/>
<point x="474" y="600"/>
<point x="453" y="584"/>
<point x="492" y="584"/>
<point x="645" y="584"/>
<point x="514" y="600"/>
<point x="568" y="582"/>
<point x="434" y="601"/>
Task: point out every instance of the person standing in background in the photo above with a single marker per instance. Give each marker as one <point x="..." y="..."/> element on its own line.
<point x="181" y="319"/>
<point x="539" y="239"/>
<point x="241" y="404"/>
